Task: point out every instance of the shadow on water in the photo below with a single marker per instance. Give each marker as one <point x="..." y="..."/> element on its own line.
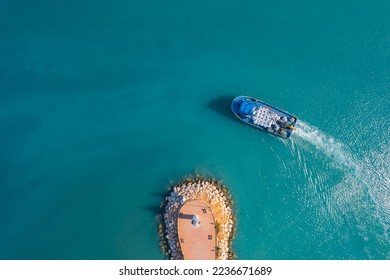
<point x="155" y="209"/>
<point x="160" y="194"/>
<point x="222" y="105"/>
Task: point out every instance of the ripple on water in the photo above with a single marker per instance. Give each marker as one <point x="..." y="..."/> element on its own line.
<point x="358" y="199"/>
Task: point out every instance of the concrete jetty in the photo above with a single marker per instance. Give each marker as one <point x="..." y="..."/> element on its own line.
<point x="198" y="221"/>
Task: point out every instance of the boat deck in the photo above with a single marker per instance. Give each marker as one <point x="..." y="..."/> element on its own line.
<point x="264" y="116"/>
<point x="197" y="241"/>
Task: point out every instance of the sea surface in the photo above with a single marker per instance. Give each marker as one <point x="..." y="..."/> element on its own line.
<point x="105" y="104"/>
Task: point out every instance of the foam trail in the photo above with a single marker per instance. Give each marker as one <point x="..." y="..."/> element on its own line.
<point x="363" y="191"/>
<point x="334" y="150"/>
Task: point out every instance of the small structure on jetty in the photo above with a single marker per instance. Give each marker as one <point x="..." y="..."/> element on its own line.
<point x="198" y="221"/>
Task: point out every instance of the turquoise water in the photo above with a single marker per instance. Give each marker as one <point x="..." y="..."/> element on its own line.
<point x="103" y="104"/>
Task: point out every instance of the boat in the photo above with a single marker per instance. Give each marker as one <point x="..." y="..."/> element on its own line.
<point x="264" y="116"/>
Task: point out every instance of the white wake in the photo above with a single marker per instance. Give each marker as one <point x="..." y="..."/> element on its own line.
<point x="363" y="191"/>
<point x="311" y="137"/>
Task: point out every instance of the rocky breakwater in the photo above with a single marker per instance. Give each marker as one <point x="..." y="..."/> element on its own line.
<point x="219" y="200"/>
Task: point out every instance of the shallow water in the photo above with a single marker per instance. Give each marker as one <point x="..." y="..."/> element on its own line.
<point x="104" y="105"/>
